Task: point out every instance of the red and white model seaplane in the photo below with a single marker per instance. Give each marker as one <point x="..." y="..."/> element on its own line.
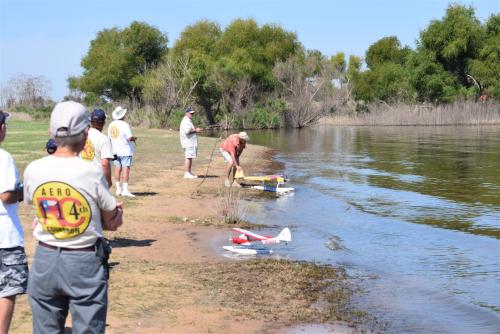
<point x="246" y="241"/>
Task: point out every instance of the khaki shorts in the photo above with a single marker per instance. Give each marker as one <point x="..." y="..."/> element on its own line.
<point x="227" y="156"/>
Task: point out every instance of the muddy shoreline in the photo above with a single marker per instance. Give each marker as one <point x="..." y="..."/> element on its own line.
<point x="168" y="275"/>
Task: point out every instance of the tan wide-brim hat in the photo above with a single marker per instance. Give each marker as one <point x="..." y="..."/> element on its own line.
<point x="119" y="113"/>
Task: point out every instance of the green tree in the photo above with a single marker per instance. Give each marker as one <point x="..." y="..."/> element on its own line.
<point x="247" y="50"/>
<point x="387" y="82"/>
<point x="387" y="49"/>
<point x="454" y="40"/>
<point x="117" y="60"/>
<point x="486" y="68"/>
<point x="197" y="44"/>
<point x="338" y="62"/>
<point x="231" y="63"/>
<point x="386" y="78"/>
<point x="432" y="83"/>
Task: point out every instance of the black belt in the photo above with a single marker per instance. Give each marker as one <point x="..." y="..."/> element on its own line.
<point x="84" y="249"/>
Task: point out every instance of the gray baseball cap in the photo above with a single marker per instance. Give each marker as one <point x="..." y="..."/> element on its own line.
<point x="68" y="119"/>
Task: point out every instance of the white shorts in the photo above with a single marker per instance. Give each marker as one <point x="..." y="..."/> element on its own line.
<point x="190" y="152"/>
<point x="226" y="156"/>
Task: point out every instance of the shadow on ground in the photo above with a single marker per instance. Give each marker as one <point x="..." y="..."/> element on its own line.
<point x="145" y="193"/>
<point x="124" y="242"/>
<point x="208" y="176"/>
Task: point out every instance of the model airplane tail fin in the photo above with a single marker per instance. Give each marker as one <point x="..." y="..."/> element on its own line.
<point x="285" y="235"/>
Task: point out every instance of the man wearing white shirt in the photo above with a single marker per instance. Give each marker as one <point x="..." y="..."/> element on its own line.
<point x="122" y="143"/>
<point x="189" y="141"/>
<point x="73" y="206"/>
<point x="14" y="265"/>
<point x="98" y="146"/>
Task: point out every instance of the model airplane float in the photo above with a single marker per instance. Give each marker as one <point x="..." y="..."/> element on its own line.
<point x="272" y="183"/>
<point x="246" y="242"/>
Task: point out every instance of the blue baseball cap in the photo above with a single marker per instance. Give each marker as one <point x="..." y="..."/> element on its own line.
<point x="98" y="115"/>
<point x="3" y="116"/>
<point x="189" y="110"/>
<point x="51" y="146"/>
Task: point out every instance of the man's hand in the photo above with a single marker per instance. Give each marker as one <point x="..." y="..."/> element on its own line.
<point x="198" y="130"/>
<point x="113" y="219"/>
<point x="133" y="138"/>
<point x="10" y="197"/>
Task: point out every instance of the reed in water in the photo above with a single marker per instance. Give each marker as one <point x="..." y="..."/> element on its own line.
<point x="458" y="113"/>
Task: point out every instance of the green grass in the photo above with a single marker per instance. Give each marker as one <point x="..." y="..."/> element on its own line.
<point x="26" y="141"/>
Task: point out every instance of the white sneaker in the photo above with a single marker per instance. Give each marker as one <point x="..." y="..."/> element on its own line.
<point x="227" y="183"/>
<point x="189" y="176"/>
<point x="118" y="192"/>
<point x="127" y="193"/>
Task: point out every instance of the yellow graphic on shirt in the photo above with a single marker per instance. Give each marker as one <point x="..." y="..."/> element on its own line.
<point x="88" y="152"/>
<point x="114" y="131"/>
<point x="61" y="210"/>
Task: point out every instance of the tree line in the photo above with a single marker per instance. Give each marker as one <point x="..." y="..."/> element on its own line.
<point x="260" y="76"/>
<point x="456" y="58"/>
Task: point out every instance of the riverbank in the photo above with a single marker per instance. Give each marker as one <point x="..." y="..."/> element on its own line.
<point x="168" y="273"/>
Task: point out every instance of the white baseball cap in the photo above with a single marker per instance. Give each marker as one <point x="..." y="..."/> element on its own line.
<point x="68" y="119"/>
<point x="119" y="113"/>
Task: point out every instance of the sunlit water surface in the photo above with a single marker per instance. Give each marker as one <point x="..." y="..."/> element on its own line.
<point x="413" y="213"/>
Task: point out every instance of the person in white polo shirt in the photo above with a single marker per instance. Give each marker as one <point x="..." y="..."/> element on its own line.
<point x="98" y="146"/>
<point x="73" y="206"/>
<point x="122" y="143"/>
<point x="14" y="265"/>
<point x="189" y="141"/>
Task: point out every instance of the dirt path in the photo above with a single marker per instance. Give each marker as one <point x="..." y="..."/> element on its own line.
<point x="168" y="275"/>
<point x="163" y="227"/>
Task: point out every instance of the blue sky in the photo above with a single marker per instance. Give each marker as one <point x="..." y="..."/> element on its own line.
<point x="49" y="37"/>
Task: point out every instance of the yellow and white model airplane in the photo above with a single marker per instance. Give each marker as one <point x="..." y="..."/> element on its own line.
<point x="272" y="183"/>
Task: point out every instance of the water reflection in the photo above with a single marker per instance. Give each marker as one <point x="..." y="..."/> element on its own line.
<point x="414" y="212"/>
<point x="447" y="177"/>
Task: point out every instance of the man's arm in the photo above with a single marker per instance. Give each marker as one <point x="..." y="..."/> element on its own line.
<point x="111" y="220"/>
<point x="106" y="169"/>
<point x="195" y="130"/>
<point x="10" y="197"/>
<point x="236" y="160"/>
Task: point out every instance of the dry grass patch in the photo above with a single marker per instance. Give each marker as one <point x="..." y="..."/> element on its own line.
<point x="458" y="113"/>
<point x="281" y="291"/>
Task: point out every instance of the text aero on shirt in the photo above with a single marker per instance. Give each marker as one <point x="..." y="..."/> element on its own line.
<point x="68" y="195"/>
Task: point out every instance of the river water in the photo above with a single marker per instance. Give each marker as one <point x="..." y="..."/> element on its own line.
<point x="413" y="213"/>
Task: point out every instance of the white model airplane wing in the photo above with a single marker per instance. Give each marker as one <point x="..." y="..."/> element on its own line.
<point x="250" y="234"/>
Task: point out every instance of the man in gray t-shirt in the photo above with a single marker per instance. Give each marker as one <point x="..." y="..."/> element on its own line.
<point x="73" y="206"/>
